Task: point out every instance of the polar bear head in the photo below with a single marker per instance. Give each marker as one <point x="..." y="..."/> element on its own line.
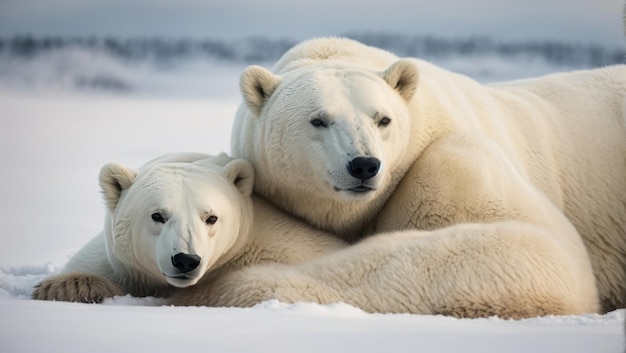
<point x="177" y="217"/>
<point x="331" y="131"/>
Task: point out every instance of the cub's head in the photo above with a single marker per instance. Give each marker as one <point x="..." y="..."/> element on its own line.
<point x="177" y="218"/>
<point x="331" y="130"/>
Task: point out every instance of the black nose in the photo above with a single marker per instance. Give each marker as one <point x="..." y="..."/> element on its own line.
<point x="185" y="262"/>
<point x="364" y="167"/>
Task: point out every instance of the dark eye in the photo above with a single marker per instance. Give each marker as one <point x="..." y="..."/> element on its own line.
<point x="318" y="122"/>
<point x="384" y="122"/>
<point x="211" y="220"/>
<point x="157" y="217"/>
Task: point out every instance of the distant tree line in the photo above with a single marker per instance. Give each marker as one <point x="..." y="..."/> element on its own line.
<point x="554" y="52"/>
<point x="157" y="49"/>
<point x="267" y="50"/>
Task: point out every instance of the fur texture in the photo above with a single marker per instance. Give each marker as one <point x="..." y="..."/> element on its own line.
<point x="191" y="204"/>
<point x="517" y="190"/>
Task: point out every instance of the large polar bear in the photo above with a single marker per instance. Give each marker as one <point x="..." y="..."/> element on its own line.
<point x="179" y="220"/>
<point x="518" y="189"/>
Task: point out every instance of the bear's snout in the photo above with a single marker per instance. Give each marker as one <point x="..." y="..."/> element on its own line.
<point x="185" y="263"/>
<point x="364" y="168"/>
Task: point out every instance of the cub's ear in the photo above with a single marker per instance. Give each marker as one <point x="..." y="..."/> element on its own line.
<point x="257" y="85"/>
<point x="402" y="76"/>
<point x="241" y="173"/>
<point x="114" y="179"/>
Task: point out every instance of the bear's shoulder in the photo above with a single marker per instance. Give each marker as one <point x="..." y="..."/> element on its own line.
<point x="278" y="237"/>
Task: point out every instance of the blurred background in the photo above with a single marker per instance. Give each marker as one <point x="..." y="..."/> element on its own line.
<point x="87" y="82"/>
<point x="196" y="49"/>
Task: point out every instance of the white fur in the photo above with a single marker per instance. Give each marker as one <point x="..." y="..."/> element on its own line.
<point x="524" y="180"/>
<point x="135" y="254"/>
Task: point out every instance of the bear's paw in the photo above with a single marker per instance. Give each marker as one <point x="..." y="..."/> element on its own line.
<point x="76" y="287"/>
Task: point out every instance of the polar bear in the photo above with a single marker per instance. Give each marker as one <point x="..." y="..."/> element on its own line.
<point x="524" y="180"/>
<point x="179" y="220"/>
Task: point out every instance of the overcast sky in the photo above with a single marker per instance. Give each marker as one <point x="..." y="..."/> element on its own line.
<point x="584" y="21"/>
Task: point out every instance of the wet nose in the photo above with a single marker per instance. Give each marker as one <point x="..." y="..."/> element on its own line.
<point x="185" y="262"/>
<point x="364" y="168"/>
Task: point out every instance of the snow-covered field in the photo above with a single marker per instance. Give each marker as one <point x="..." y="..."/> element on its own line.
<point x="52" y="146"/>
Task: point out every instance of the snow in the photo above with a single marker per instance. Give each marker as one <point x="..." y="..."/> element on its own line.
<point x="53" y="145"/>
<point x="31" y="326"/>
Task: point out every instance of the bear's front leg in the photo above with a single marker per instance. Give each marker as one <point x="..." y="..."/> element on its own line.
<point x="253" y="285"/>
<point x="238" y="288"/>
<point x="76" y="287"/>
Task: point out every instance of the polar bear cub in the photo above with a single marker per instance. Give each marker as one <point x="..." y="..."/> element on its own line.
<point x="179" y="220"/>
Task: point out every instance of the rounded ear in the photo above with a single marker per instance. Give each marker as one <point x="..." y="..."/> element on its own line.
<point x="114" y="179"/>
<point x="241" y="173"/>
<point x="402" y="76"/>
<point x="257" y="85"/>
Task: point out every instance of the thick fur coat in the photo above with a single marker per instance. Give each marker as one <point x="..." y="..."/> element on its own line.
<point x="180" y="220"/>
<point x="515" y="192"/>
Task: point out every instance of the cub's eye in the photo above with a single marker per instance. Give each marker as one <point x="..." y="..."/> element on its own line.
<point x="318" y="122"/>
<point x="384" y="122"/>
<point x="157" y="217"/>
<point x="211" y="220"/>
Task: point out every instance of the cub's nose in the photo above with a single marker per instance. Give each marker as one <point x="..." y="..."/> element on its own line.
<point x="185" y="262"/>
<point x="364" y="167"/>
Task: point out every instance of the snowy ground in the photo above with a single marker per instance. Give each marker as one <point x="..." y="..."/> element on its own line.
<point x="52" y="147"/>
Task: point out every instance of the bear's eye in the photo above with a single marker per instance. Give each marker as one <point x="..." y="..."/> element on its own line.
<point x="211" y="220"/>
<point x="318" y="122"/>
<point x="157" y="217"/>
<point x="384" y="122"/>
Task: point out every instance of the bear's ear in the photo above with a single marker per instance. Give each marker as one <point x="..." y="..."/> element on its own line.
<point x="402" y="76"/>
<point x="114" y="179"/>
<point x="257" y="85"/>
<point x="241" y="173"/>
